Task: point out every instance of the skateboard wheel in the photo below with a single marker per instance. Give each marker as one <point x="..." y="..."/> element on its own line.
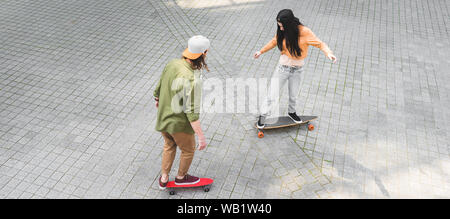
<point x="310" y="127"/>
<point x="172" y="192"/>
<point x="206" y="189"/>
<point x="260" y="134"/>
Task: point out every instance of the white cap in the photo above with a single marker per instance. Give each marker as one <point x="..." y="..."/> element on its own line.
<point x="197" y="45"/>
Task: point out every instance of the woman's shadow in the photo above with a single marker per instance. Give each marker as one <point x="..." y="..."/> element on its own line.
<point x="358" y="171"/>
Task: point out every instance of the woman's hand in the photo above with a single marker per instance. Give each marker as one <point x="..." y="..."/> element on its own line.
<point x="332" y="58"/>
<point x="257" y="54"/>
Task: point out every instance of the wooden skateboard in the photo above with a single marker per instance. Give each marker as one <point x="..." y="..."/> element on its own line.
<point x="284" y="121"/>
<point x="204" y="182"/>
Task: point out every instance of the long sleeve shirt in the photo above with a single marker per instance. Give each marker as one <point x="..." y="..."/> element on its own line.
<point x="307" y="38"/>
<point x="179" y="93"/>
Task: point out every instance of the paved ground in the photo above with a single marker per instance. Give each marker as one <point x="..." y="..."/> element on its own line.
<point x="77" y="116"/>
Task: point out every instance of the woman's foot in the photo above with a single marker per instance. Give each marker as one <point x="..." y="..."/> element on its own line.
<point x="260" y="124"/>
<point x="186" y="180"/>
<point x="295" y="118"/>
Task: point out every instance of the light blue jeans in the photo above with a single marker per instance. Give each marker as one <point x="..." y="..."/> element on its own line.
<point x="282" y="74"/>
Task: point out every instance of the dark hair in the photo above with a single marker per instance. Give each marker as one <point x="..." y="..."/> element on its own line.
<point x="291" y="32"/>
<point x="199" y="63"/>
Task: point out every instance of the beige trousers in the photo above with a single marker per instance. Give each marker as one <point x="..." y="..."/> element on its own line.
<point x="186" y="143"/>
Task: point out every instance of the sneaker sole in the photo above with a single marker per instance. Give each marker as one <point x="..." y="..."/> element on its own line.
<point x="191" y="183"/>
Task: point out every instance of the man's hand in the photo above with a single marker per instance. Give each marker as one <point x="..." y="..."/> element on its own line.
<point x="201" y="142"/>
<point x="201" y="137"/>
<point x="156" y="102"/>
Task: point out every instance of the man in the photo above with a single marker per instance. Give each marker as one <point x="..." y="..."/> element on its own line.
<point x="177" y="97"/>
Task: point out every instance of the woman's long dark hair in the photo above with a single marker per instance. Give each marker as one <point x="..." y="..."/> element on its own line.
<point x="291" y="32"/>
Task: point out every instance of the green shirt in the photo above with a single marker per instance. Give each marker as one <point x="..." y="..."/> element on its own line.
<point x="179" y="93"/>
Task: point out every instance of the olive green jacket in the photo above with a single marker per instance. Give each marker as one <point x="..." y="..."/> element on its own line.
<point x="179" y="93"/>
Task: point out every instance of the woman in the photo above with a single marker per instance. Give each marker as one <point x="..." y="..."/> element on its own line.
<point x="292" y="39"/>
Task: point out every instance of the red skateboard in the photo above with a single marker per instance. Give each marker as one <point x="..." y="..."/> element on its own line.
<point x="204" y="182"/>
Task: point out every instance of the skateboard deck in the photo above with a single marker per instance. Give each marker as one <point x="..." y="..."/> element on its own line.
<point x="204" y="182"/>
<point x="284" y="121"/>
